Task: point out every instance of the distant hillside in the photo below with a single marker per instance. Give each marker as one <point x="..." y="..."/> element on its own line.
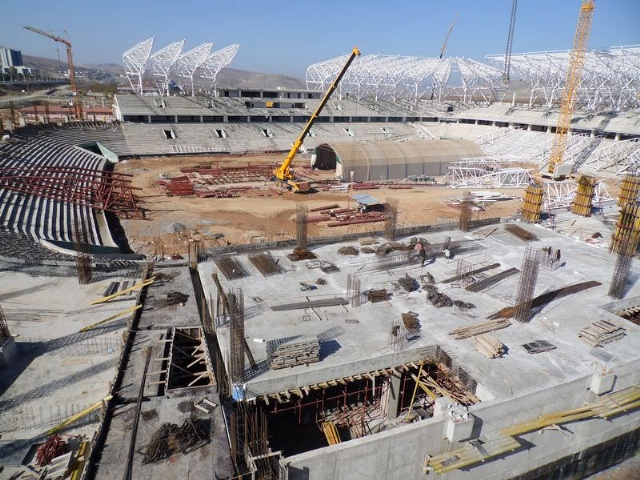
<point x="229" y="77"/>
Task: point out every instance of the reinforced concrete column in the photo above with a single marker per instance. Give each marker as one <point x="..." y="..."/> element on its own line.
<point x="391" y="397"/>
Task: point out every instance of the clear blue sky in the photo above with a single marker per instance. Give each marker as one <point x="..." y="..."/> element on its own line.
<point x="279" y="36"/>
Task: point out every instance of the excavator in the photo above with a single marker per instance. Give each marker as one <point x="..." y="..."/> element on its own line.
<point x="283" y="174"/>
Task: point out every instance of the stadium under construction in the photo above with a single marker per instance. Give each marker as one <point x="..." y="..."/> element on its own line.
<point x="475" y="347"/>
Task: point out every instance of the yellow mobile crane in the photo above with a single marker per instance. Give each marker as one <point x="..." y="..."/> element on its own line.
<point x="283" y="174"/>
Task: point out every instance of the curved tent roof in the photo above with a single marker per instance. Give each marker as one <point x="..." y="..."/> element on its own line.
<point x="391" y="160"/>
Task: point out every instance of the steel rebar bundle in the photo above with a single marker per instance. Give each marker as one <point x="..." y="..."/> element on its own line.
<point x="231" y="268"/>
<point x="520" y="232"/>
<point x="236" y="335"/>
<point x="490" y="281"/>
<point x="170" y="439"/>
<point x="353" y="290"/>
<point x="527" y="285"/>
<point x="265" y="264"/>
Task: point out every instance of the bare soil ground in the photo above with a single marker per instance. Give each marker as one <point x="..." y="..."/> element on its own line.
<point x="260" y="215"/>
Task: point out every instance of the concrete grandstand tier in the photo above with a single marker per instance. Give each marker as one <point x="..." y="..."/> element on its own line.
<point x="610" y="78"/>
<point x="134" y="61"/>
<point x="188" y="62"/>
<point x="160" y="63"/>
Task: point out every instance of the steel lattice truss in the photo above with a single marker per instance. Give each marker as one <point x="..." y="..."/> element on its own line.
<point x="160" y="63"/>
<point x="396" y="77"/>
<point x="621" y="156"/>
<point x="217" y="61"/>
<point x="488" y="172"/>
<point x="134" y="61"/>
<point x="562" y="194"/>
<point x="610" y="78"/>
<point x="102" y="190"/>
<point x="187" y="63"/>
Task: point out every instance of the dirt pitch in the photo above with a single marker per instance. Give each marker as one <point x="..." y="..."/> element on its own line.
<point x="260" y="215"/>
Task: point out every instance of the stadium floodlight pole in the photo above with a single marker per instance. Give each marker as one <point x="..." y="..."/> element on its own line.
<point x="134" y="61"/>
<point x="161" y="62"/>
<point x="216" y="61"/>
<point x="190" y="61"/>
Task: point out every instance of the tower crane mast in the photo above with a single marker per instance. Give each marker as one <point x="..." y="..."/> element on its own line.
<point x="570" y="93"/>
<point x="507" y="55"/>
<point x="77" y="107"/>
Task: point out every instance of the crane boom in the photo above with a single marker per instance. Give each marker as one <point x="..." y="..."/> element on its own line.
<point x="77" y="107"/>
<point x="283" y="173"/>
<point x="570" y="93"/>
<point x="507" y="55"/>
<point x="446" y="40"/>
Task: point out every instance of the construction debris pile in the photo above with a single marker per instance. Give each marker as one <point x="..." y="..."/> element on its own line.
<point x="377" y="295"/>
<point x="52" y="448"/>
<point x="489" y="346"/>
<point x="170" y="439"/>
<point x="520" y="232"/>
<point x="291" y="354"/>
<point x="176" y="298"/>
<point x="463" y="305"/>
<point x="348" y="250"/>
<point x="411" y="322"/>
<point x="601" y="332"/>
<point x="408" y="283"/>
<point x="301" y="254"/>
<point x="436" y="298"/>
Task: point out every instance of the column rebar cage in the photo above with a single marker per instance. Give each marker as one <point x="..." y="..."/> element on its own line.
<point x="353" y="290"/>
<point x="236" y="336"/>
<point x="610" y="77"/>
<point x="4" y="328"/>
<point x="302" y="213"/>
<point x="620" y="277"/>
<point x="532" y="203"/>
<point x="526" y="287"/>
<point x="391" y="218"/>
<point x="80" y="237"/>
<point x="583" y="201"/>
<point x="134" y="61"/>
<point x="465" y="212"/>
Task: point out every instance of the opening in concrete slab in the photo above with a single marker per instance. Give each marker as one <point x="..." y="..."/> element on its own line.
<point x="628" y="308"/>
<point x="188" y="362"/>
<point x="339" y="410"/>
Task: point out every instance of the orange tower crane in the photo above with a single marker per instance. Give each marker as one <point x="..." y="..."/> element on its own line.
<point x="77" y="106"/>
<point x="569" y="96"/>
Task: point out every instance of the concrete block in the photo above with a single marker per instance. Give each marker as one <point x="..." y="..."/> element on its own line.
<point x="602" y="382"/>
<point x="7" y="351"/>
<point x="459" y="425"/>
<point x="440" y="407"/>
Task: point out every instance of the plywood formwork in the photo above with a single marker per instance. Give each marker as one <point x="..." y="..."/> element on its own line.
<point x="532" y="207"/>
<point x="629" y="189"/>
<point x="583" y="200"/>
<point x="627" y="234"/>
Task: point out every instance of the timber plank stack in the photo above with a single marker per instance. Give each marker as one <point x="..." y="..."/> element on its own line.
<point x="601" y="332"/>
<point x="489" y="346"/>
<point x="480" y="328"/>
<point x="295" y="353"/>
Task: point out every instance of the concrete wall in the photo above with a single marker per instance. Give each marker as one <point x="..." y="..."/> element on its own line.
<point x="400" y="453"/>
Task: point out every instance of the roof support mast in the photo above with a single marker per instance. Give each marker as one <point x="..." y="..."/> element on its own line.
<point x="77" y="107"/>
<point x="283" y="173"/>
<point x="572" y="84"/>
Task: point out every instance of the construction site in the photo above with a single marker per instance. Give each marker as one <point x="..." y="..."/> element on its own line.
<point x="344" y="282"/>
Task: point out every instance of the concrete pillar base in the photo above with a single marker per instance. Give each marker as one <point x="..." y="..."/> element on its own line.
<point x="602" y="383"/>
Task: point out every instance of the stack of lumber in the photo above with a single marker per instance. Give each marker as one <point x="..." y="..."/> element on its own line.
<point x="601" y="332"/>
<point x="379" y="295"/>
<point x="480" y="328"/>
<point x="489" y="346"/>
<point x="295" y="353"/>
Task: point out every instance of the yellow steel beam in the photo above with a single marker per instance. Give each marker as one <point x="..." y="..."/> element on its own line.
<point x="146" y="283"/>
<point x="74" y="418"/>
<point x="331" y="432"/>
<point x="112" y="317"/>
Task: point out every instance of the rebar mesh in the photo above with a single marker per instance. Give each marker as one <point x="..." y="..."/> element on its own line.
<point x="527" y="286"/>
